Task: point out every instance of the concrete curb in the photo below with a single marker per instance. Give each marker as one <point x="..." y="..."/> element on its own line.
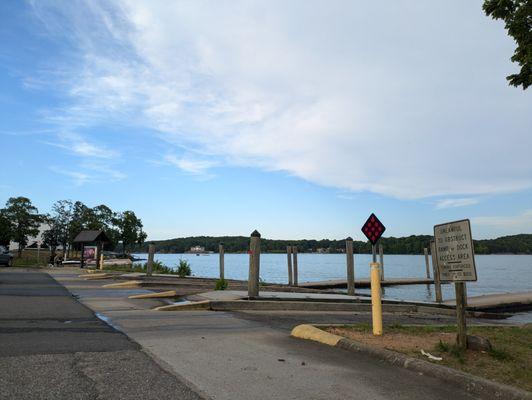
<point x="197" y="305"/>
<point x="484" y="388"/>
<point x="155" y="295"/>
<point x="93" y="277"/>
<point x="310" y="332"/>
<point x="124" y="285"/>
<point x="265" y="305"/>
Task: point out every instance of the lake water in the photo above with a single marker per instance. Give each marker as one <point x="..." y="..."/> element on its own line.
<point x="496" y="273"/>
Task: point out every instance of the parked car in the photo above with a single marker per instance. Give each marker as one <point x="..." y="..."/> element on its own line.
<point x="6" y="258"/>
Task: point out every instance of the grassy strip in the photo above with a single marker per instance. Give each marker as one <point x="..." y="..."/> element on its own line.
<point x="509" y="361"/>
<point x="158" y="268"/>
<point x="183" y="269"/>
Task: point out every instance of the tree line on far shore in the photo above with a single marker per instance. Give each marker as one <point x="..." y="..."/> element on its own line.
<point x="20" y="220"/>
<point x="516" y="244"/>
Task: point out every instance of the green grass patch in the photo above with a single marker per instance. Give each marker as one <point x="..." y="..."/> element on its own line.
<point x="158" y="268"/>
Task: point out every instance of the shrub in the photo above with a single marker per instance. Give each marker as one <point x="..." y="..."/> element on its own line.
<point x="443" y="346"/>
<point x="221" y="284"/>
<point x="184" y="268"/>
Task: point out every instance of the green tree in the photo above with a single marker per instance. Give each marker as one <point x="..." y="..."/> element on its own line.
<point x="77" y="223"/>
<point x="6" y="230"/>
<point x="517" y="17"/>
<point x="24" y="219"/>
<point x="103" y="218"/>
<point x="129" y="229"/>
<point x="58" y="222"/>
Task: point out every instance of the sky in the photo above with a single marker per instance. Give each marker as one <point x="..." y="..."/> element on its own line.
<point x="295" y="118"/>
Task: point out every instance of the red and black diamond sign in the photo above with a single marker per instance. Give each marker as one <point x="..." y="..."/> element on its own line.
<point x="373" y="229"/>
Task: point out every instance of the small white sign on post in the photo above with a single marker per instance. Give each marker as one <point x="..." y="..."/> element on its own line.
<point x="454" y="251"/>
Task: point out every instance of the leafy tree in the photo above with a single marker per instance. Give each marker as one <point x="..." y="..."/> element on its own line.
<point x="24" y="219"/>
<point x="77" y="223"/>
<point x="58" y="225"/>
<point x="130" y="229"/>
<point x="6" y="230"/>
<point x="103" y="218"/>
<point x="517" y="17"/>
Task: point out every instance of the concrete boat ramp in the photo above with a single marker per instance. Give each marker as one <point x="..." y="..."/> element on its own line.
<point x="498" y="302"/>
<point x="313" y="296"/>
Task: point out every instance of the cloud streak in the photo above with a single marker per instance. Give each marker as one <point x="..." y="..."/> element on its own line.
<point x="510" y="224"/>
<point x="190" y="165"/>
<point x="453" y="203"/>
<point x="360" y="102"/>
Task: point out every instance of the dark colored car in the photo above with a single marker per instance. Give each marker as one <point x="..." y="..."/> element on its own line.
<point x="5" y="257"/>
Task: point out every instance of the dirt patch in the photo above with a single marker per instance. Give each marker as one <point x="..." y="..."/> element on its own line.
<point x="405" y="343"/>
<point x="509" y="362"/>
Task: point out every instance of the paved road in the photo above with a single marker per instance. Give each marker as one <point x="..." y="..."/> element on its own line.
<point x="53" y="347"/>
<point x="250" y="355"/>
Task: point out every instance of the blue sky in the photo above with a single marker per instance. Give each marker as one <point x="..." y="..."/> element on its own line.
<point x="296" y="118"/>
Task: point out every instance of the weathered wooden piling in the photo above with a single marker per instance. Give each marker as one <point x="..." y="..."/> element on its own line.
<point x="289" y="262"/>
<point x="254" y="264"/>
<point x="221" y="252"/>
<point x="436" y="273"/>
<point x="149" y="265"/>
<point x="294" y="254"/>
<point x="427" y="267"/>
<point x="350" y="266"/>
<point x="461" y="330"/>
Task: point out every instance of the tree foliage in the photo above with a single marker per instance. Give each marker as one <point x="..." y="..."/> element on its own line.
<point x="129" y="229"/>
<point x="23" y="219"/>
<point x="6" y="229"/>
<point x="517" y="17"/>
<point x="20" y="219"/>
<point x="517" y="244"/>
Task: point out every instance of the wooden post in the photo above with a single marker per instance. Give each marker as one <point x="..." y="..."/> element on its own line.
<point x="350" y="266"/>
<point x="426" y="251"/>
<point x="381" y="260"/>
<point x="82" y="259"/>
<point x="149" y="265"/>
<point x="101" y="261"/>
<point x="461" y="329"/>
<point x="254" y="264"/>
<point x="289" y="261"/>
<point x="222" y="266"/>
<point x="294" y="253"/>
<point x="436" y="273"/>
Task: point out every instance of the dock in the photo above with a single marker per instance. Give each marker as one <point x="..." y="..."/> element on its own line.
<point x="365" y="283"/>
<point x="498" y="302"/>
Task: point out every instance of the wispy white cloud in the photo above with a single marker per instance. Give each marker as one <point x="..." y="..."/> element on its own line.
<point x="78" y="178"/>
<point x="90" y="173"/>
<point x="452" y="203"/>
<point x="77" y="145"/>
<point x="510" y="224"/>
<point x="190" y="165"/>
<point x="359" y="102"/>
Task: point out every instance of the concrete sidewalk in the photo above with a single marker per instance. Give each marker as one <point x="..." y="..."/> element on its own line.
<point x="53" y="347"/>
<point x="250" y="355"/>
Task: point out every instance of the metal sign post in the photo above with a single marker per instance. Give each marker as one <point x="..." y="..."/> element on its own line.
<point x="455" y="261"/>
<point x="373" y="229"/>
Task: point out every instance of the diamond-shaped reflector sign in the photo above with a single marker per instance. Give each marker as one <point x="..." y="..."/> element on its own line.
<point x="373" y="228"/>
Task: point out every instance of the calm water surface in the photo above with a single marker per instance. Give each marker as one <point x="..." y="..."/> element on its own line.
<point x="496" y="273"/>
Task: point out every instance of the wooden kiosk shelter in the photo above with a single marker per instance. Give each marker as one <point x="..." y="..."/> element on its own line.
<point x="91" y="238"/>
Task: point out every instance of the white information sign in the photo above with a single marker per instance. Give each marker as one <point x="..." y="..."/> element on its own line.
<point x="454" y="251"/>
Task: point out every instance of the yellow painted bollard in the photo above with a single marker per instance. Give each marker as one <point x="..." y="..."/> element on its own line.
<point x="376" y="305"/>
